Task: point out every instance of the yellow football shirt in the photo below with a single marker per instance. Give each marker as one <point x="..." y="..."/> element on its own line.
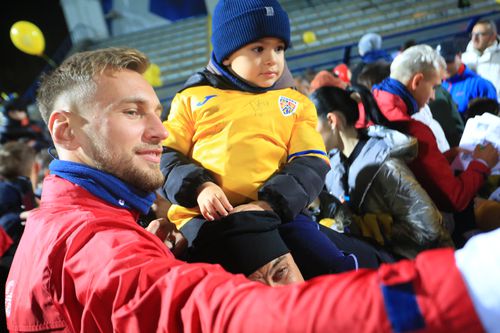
<point x="241" y="138"/>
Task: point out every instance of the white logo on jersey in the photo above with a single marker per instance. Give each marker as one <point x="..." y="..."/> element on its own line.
<point x="287" y="105"/>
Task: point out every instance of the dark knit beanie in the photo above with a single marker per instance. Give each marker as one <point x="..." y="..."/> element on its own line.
<point x="240" y="242"/>
<point x="236" y="23"/>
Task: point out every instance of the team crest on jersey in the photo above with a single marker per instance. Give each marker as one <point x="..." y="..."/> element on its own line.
<point x="287" y="105"/>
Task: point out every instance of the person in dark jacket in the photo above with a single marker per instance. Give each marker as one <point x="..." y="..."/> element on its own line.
<point x="369" y="172"/>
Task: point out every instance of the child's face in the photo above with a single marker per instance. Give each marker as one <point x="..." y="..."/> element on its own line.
<point x="260" y="63"/>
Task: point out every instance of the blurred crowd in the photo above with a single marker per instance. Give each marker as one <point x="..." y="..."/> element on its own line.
<point x="282" y="179"/>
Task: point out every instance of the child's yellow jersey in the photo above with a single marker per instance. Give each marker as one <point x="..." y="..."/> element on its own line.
<point x="241" y="138"/>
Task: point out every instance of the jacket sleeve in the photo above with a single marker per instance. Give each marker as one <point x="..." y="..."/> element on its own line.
<point x="449" y="192"/>
<point x="144" y="289"/>
<point x="300" y="181"/>
<point x="182" y="175"/>
<point x="419" y="223"/>
<point x="295" y="186"/>
<point x="182" y="178"/>
<point x="487" y="89"/>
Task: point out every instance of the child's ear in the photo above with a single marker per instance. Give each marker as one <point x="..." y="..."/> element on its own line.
<point x="226" y="62"/>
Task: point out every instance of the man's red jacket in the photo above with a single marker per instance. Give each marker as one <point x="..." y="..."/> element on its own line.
<point x="431" y="168"/>
<point x="86" y="266"/>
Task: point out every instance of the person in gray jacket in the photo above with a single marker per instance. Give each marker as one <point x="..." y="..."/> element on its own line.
<point x="369" y="172"/>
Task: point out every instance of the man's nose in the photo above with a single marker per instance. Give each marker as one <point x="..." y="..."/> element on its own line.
<point x="156" y="131"/>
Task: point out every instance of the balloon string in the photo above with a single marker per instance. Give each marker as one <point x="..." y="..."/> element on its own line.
<point x="49" y="61"/>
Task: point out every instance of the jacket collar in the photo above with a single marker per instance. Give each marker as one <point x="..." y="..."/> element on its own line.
<point x="103" y="185"/>
<point x="463" y="73"/>
<point x="217" y="76"/>
<point x="495" y="47"/>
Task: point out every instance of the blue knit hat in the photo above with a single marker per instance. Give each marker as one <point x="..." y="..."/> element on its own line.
<point x="236" y="23"/>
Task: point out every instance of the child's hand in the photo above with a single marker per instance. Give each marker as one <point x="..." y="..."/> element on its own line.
<point x="213" y="202"/>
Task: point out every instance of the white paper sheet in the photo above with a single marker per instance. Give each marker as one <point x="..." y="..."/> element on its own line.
<point x="478" y="130"/>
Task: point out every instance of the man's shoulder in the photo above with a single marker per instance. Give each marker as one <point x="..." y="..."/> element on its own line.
<point x="475" y="85"/>
<point x="414" y="128"/>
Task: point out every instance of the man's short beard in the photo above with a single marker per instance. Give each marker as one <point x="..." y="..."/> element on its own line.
<point x="140" y="179"/>
<point x="146" y="180"/>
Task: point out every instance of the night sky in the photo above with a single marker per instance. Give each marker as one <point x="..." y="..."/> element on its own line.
<point x="17" y="69"/>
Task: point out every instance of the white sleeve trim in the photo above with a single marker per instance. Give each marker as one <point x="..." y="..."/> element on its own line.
<point x="479" y="263"/>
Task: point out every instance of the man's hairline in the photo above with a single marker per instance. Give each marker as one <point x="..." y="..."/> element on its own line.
<point x="76" y="97"/>
<point x="488" y="24"/>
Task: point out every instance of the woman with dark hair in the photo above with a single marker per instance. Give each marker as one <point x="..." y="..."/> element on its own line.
<point x="369" y="170"/>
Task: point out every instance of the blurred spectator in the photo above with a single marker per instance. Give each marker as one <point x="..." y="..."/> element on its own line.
<point x="478" y="106"/>
<point x="483" y="52"/>
<point x="40" y="170"/>
<point x="16" y="197"/>
<point x="461" y="82"/>
<point x="370" y="50"/>
<point x="374" y="73"/>
<point x="343" y="72"/>
<point x="445" y="111"/>
<point x="326" y="79"/>
<point x="407" y="44"/>
<point x="16" y="190"/>
<point x="17" y="125"/>
<point x="302" y="85"/>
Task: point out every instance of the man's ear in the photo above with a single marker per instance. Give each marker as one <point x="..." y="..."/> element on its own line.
<point x="61" y="131"/>
<point x="415" y="81"/>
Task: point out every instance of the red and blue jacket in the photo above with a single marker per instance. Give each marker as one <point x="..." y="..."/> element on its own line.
<point x="431" y="168"/>
<point x="84" y="265"/>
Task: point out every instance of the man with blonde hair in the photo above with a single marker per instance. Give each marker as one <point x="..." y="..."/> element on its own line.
<point x="85" y="265"/>
<point x="414" y="75"/>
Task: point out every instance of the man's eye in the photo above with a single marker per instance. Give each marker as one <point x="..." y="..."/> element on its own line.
<point x="133" y="113"/>
<point x="280" y="274"/>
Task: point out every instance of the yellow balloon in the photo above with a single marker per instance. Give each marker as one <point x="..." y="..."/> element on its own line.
<point x="27" y="37"/>
<point x="309" y="37"/>
<point x="153" y="75"/>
